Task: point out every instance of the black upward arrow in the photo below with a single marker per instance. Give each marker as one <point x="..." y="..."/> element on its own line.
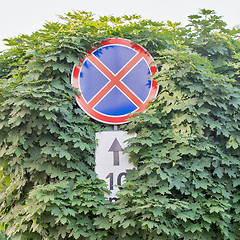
<point x="115" y="148"/>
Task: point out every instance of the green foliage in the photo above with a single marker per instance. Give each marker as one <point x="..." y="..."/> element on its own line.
<point x="2" y="236"/>
<point x="186" y="185"/>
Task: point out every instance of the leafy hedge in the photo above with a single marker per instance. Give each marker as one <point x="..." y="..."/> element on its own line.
<point x="187" y="149"/>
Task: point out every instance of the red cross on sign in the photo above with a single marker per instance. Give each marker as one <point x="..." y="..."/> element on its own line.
<point x="114" y="81"/>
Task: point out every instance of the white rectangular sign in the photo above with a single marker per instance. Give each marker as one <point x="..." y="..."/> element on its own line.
<point x="111" y="162"/>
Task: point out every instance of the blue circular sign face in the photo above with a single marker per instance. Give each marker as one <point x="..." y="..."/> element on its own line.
<point x="114" y="81"/>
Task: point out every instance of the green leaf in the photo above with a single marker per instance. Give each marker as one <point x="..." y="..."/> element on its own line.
<point x="149" y="225"/>
<point x="194" y="228"/>
<point x="232" y="143"/>
<point x="216" y="209"/>
<point x="219" y="172"/>
<point x="102" y="223"/>
<point x="128" y="223"/>
<point x="202" y="184"/>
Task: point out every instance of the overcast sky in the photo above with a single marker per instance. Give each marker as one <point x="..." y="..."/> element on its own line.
<point x="26" y="16"/>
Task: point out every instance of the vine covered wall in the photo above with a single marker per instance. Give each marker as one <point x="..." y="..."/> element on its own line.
<point x="187" y="148"/>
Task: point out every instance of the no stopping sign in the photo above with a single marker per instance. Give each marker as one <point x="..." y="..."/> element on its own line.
<point x="114" y="81"/>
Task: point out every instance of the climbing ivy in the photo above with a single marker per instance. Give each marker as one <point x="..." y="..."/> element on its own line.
<point x="187" y="148"/>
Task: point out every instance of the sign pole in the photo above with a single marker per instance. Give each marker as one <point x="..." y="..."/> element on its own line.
<point x="114" y="81"/>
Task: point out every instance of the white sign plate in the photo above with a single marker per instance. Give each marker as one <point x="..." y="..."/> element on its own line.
<point x="111" y="162"/>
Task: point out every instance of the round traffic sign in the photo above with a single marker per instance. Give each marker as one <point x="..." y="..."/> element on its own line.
<point x="114" y="81"/>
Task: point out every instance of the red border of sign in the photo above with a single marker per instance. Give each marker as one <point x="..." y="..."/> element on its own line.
<point x="114" y="119"/>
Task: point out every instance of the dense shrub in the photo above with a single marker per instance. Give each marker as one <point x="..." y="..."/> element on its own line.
<point x="187" y="149"/>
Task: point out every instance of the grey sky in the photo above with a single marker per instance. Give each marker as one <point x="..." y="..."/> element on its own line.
<point x="26" y="16"/>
